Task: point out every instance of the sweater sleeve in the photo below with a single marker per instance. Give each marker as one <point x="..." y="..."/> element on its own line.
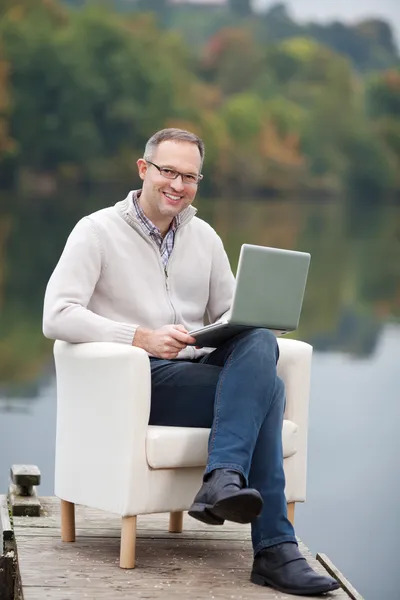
<point x="222" y="284"/>
<point x="70" y="288"/>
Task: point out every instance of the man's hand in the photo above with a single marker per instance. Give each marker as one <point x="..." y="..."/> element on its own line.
<point x="165" y="342"/>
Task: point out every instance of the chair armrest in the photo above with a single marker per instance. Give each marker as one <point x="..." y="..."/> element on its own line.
<point x="103" y="408"/>
<point x="294" y="367"/>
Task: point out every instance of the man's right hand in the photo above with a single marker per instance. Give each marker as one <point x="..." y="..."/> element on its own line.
<point x="165" y="342"/>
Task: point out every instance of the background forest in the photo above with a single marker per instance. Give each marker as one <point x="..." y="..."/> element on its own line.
<point x="282" y="107"/>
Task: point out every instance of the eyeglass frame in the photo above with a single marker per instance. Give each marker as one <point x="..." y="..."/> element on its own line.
<point x="177" y="174"/>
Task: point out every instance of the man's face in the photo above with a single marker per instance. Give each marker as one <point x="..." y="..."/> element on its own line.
<point x="162" y="199"/>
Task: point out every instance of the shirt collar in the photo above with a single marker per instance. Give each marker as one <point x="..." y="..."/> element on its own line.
<point x="150" y="225"/>
<point x="126" y="210"/>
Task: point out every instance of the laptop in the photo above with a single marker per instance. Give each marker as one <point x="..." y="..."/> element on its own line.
<point x="269" y="292"/>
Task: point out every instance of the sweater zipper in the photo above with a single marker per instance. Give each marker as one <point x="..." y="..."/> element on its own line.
<point x="167" y="290"/>
<point x="157" y="250"/>
<point x="165" y="271"/>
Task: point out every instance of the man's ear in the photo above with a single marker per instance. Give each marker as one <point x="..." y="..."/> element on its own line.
<point x="142" y="168"/>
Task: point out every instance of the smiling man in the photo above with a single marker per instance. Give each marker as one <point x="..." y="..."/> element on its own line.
<point x="146" y="271"/>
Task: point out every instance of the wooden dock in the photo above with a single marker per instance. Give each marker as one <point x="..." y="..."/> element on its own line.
<point x="201" y="562"/>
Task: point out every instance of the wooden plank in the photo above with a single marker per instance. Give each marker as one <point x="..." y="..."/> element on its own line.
<point x="93" y="518"/>
<point x="97" y="532"/>
<point x="6" y="552"/>
<point x="201" y="562"/>
<point x="6" y="576"/>
<point x="6" y="531"/>
<point x="157" y="591"/>
<point x="152" y="554"/>
<point x="198" y="569"/>
<point x="334" y="572"/>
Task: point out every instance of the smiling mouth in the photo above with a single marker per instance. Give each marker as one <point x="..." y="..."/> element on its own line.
<point x="172" y="197"/>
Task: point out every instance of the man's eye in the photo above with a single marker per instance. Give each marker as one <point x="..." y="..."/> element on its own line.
<point x="168" y="171"/>
<point x="191" y="178"/>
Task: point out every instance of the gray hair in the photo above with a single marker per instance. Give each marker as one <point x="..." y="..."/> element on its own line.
<point x="177" y="135"/>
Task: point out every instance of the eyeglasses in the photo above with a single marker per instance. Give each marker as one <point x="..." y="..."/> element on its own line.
<point x="172" y="174"/>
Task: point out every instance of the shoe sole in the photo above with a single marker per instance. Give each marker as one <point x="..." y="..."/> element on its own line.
<point x="241" y="508"/>
<point x="262" y="580"/>
<point x="202" y="513"/>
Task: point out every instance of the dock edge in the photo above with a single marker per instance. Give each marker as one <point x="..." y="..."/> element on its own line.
<point x="334" y="572"/>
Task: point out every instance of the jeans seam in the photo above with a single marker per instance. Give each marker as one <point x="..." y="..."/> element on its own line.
<point x="217" y="399"/>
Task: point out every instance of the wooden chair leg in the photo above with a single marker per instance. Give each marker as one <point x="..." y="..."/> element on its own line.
<point x="176" y="522"/>
<point x="67" y="521"/>
<point x="290" y="512"/>
<point x="128" y="543"/>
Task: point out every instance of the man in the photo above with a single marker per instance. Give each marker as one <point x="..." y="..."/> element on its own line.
<point x="145" y="272"/>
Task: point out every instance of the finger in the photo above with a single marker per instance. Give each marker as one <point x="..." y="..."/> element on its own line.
<point x="182" y="337"/>
<point x="180" y="327"/>
<point x="173" y="344"/>
<point x="173" y="347"/>
<point x="169" y="355"/>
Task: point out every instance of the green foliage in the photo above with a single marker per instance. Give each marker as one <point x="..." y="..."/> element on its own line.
<point x="370" y="173"/>
<point x="232" y="60"/>
<point x="287" y="116"/>
<point x="278" y="107"/>
<point x="243" y="115"/>
<point x="383" y="94"/>
<point x="90" y="88"/>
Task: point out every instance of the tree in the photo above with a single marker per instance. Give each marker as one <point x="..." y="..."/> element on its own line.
<point x="82" y="90"/>
<point x="383" y="94"/>
<point x="370" y="174"/>
<point x="369" y="44"/>
<point x="160" y="7"/>
<point x="276" y="24"/>
<point x="92" y="90"/>
<point x="232" y="60"/>
<point x="7" y="145"/>
<point x="241" y="8"/>
<point x="383" y="104"/>
<point x="381" y="41"/>
<point x="22" y="9"/>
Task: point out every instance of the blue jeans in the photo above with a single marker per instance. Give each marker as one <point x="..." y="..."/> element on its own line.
<point x="236" y="392"/>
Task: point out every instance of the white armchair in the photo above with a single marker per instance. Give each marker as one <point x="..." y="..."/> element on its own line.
<point x="103" y="407"/>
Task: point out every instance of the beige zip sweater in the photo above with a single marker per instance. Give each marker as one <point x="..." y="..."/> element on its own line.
<point x="110" y="279"/>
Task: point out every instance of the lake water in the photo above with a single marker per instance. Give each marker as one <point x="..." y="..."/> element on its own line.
<point x="351" y="315"/>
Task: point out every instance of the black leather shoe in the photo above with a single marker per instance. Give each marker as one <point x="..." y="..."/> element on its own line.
<point x="284" y="568"/>
<point x="223" y="496"/>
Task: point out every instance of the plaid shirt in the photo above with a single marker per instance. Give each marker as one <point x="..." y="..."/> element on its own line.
<point x="165" y="244"/>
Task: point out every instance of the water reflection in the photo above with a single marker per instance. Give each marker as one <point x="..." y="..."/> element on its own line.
<point x="352" y="298"/>
<point x="15" y="405"/>
<point x="353" y="286"/>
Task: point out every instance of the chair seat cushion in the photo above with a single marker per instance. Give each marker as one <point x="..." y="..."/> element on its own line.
<point x="172" y="447"/>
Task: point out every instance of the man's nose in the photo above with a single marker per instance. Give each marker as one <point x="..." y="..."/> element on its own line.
<point x="177" y="184"/>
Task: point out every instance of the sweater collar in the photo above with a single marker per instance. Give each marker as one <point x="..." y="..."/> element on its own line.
<point x="126" y="210"/>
